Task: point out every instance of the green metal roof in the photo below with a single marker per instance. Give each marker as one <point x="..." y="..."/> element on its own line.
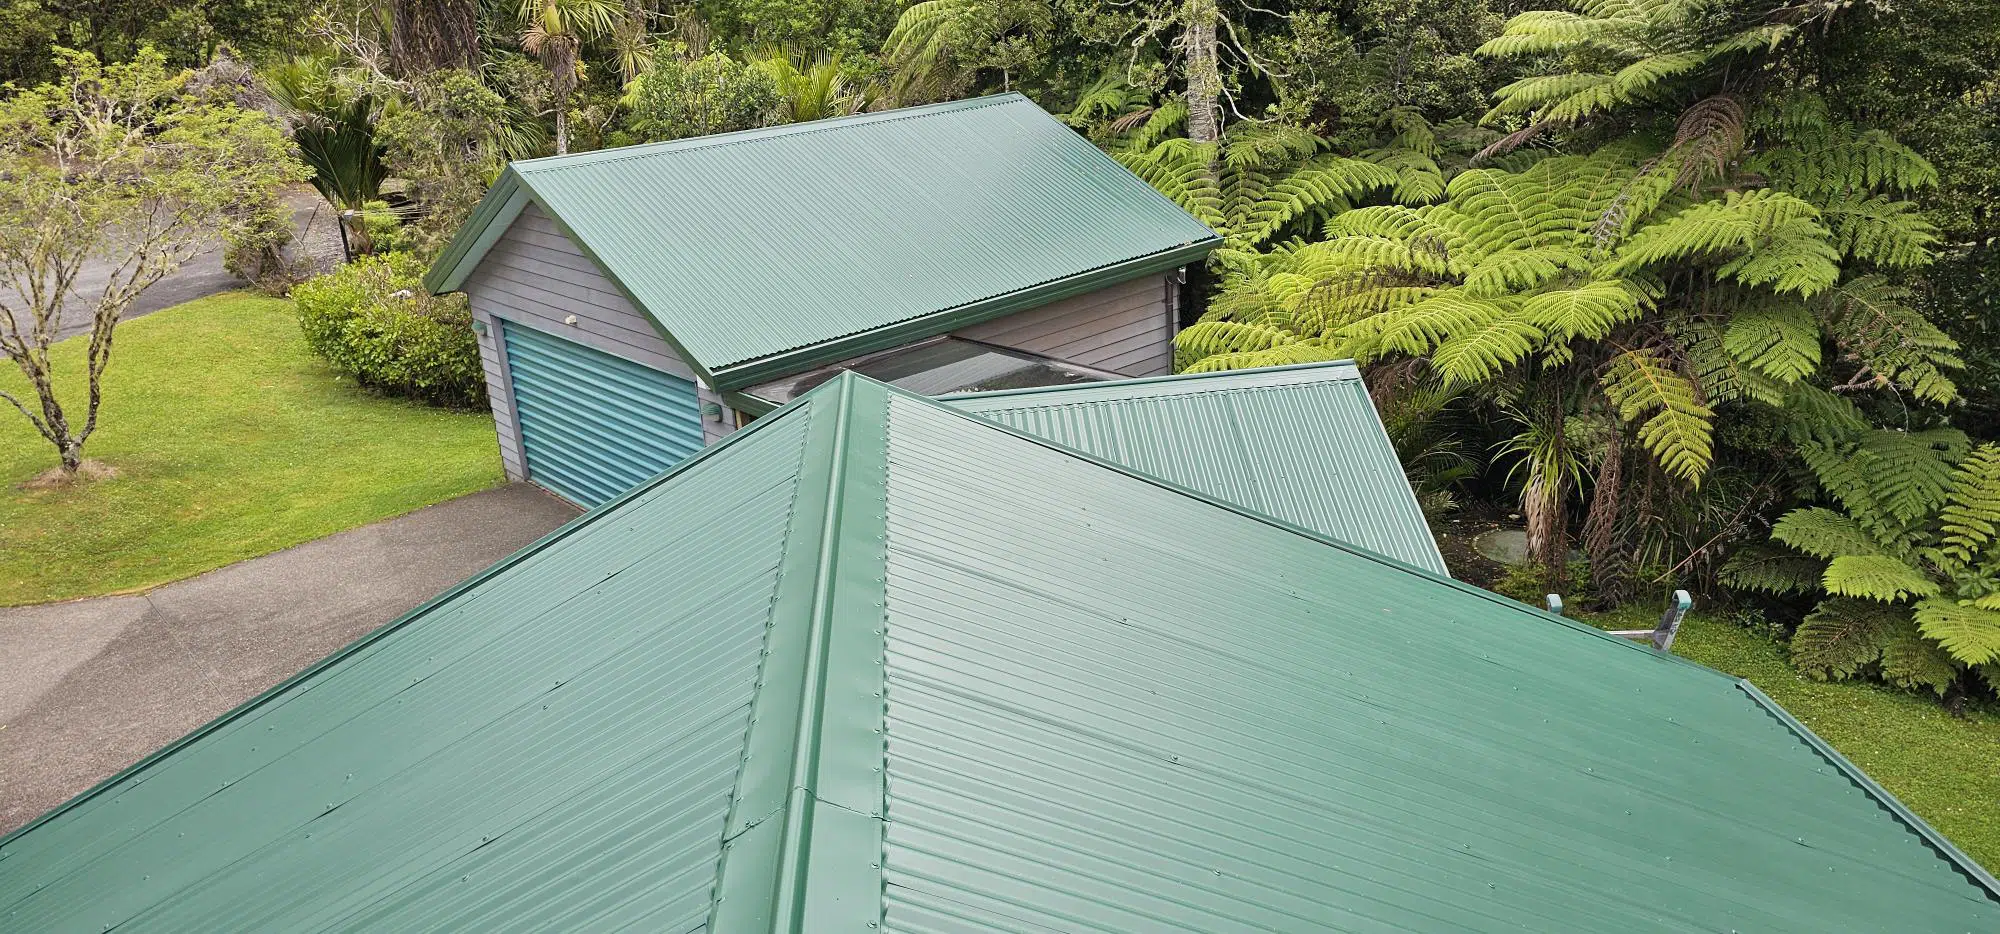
<point x="841" y="673"/>
<point x="1301" y="443"/>
<point x="771" y="251"/>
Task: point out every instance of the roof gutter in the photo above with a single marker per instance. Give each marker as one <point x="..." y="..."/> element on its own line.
<point x="785" y="363"/>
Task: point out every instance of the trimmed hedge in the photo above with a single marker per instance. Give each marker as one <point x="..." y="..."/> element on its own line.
<point x="374" y="320"/>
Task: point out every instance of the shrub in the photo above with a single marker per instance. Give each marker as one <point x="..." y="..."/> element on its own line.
<point x="374" y="320"/>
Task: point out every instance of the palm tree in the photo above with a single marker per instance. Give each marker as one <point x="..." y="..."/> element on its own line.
<point x="812" y="89"/>
<point x="555" y="31"/>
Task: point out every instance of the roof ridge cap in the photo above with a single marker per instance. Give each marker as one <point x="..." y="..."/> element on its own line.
<point x="757" y="134"/>
<point x="819" y="708"/>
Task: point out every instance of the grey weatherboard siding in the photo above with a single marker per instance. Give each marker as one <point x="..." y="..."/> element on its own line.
<point x="1126" y="327"/>
<point x="536" y="276"/>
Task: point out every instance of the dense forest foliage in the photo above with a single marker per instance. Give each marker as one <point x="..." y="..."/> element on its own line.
<point x="1707" y="292"/>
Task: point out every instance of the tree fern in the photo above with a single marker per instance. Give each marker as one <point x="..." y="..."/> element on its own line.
<point x="1739" y="224"/>
<point x="1879" y="230"/>
<point x="1590" y="311"/>
<point x="1648" y="50"/>
<point x="1179" y="169"/>
<point x="1535" y="264"/>
<point x="1280" y="355"/>
<point x="1922" y="509"/>
<point x="918" y="51"/>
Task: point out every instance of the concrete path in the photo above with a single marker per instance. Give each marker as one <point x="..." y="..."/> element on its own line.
<point x="91" y="686"/>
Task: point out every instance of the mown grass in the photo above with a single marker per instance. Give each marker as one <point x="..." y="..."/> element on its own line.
<point x="231" y="440"/>
<point x="1946" y="767"/>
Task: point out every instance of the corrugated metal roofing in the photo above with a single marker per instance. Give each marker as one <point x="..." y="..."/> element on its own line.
<point x="554" y="746"/>
<point x="748" y="247"/>
<point x="1059" y="696"/>
<point x="1300" y="443"/>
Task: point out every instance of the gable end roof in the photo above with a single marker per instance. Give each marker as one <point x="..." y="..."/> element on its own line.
<point x="774" y="250"/>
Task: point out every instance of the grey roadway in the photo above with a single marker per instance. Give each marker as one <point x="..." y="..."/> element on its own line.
<point x="91" y="686"/>
<point x="313" y="234"/>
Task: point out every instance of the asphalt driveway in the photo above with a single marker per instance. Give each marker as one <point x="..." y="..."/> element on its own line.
<point x="91" y="686"/>
<point x="314" y="236"/>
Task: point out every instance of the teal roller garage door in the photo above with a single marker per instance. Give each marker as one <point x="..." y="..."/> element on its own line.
<point x="594" y="425"/>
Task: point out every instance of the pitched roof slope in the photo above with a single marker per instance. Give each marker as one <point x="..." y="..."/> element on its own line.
<point x="908" y="692"/>
<point x="1301" y="443"/>
<point x="768" y="251"/>
<point x="551" y="746"/>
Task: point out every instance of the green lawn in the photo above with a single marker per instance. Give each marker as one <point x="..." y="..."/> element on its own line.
<point x="231" y="441"/>
<point x="1945" y="767"/>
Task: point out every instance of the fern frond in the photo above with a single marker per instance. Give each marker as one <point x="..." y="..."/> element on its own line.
<point x="1827" y="158"/>
<point x="1179" y="169"/>
<point x="1417" y="239"/>
<point x="1679" y="432"/>
<point x="1707" y="139"/>
<point x="1731" y="225"/>
<point x="1557" y="98"/>
<point x="1205" y="339"/>
<point x="1778" y="338"/>
<point x="1320" y="186"/>
<point x="1971" y="514"/>
<point x="1911" y="661"/>
<point x="918" y="49"/>
<point x="1480" y="352"/>
<point x="1774" y="571"/>
<point x="1876" y="577"/>
<point x="1840" y="637"/>
<point x="1871" y="319"/>
<point x="1418" y="178"/>
<point x="1590" y="311"/>
<point x="1540" y="31"/>
<point x="1282" y="355"/>
<point x="1880" y="230"/>
<point x="1969" y="633"/>
<point x="1888" y="479"/>
<point x="1721" y="376"/>
<point x="1420" y="329"/>
<point x="1818" y="416"/>
<point x="1796" y="256"/>
<point x="1159" y="125"/>
<point x="1521" y="270"/>
<point x="1819" y="531"/>
<point x="1268" y="145"/>
<point x="1637" y="80"/>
